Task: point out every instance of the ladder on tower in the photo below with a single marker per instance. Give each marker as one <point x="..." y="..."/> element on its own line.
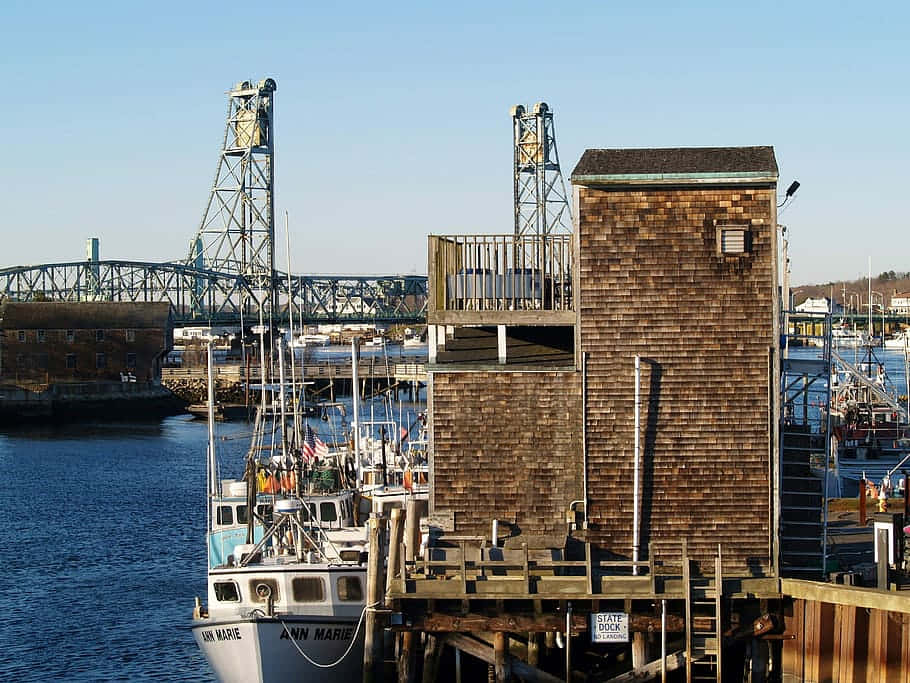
<point x="704" y="621"/>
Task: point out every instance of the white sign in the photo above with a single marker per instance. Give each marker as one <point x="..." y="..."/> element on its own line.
<point x="609" y="627"/>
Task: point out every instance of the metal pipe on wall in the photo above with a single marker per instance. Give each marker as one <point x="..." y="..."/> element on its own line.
<point x="635" y="485"/>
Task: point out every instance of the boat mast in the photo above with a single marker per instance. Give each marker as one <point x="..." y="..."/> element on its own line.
<point x="355" y="385"/>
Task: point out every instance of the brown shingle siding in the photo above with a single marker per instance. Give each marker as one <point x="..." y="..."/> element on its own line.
<point x="653" y="284"/>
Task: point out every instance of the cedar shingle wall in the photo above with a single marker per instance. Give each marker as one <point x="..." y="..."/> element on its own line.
<point x="506" y="445"/>
<point x="651" y="283"/>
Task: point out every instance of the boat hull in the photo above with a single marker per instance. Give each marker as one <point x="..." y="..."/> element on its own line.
<point x="280" y="649"/>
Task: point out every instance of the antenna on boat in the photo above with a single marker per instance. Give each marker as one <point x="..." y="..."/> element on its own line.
<point x="213" y="475"/>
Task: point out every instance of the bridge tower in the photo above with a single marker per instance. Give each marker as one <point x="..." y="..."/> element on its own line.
<point x="541" y="202"/>
<point x="238" y="228"/>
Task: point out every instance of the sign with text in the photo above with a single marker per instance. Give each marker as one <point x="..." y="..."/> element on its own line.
<point x="609" y="627"/>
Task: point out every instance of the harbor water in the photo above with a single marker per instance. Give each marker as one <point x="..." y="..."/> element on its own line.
<point x="102" y="545"/>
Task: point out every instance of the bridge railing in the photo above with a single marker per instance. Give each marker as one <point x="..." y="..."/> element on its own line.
<point x="507" y="273"/>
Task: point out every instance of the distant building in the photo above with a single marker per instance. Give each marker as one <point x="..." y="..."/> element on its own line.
<point x="48" y="343"/>
<point x="819" y="305"/>
<point x="900" y="304"/>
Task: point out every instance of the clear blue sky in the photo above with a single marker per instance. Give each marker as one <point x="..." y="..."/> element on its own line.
<point x="393" y="118"/>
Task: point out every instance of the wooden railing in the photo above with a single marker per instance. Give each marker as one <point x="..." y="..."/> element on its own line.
<point x="500" y="272"/>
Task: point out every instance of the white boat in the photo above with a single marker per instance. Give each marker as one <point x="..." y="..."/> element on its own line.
<point x="375" y="342"/>
<point x="414" y="340"/>
<point x="899" y="340"/>
<point x="310" y="340"/>
<point x="841" y="335"/>
<point x="286" y="585"/>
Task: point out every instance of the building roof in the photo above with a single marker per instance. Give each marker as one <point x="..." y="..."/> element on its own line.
<point x="69" y="315"/>
<point x="676" y="165"/>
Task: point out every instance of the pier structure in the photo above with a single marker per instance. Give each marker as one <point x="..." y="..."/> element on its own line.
<point x="606" y="454"/>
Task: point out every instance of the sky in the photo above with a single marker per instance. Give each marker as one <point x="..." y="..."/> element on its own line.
<point x="392" y="119"/>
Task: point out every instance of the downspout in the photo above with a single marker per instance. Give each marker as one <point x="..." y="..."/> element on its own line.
<point x="584" y="432"/>
<point x="635" y="502"/>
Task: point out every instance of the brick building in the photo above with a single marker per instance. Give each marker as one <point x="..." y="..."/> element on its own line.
<point x="53" y="343"/>
<point x="532" y="348"/>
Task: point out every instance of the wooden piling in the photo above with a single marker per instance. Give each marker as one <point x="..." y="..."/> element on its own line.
<point x="432" y="650"/>
<point x="372" y="648"/>
<point x="533" y="648"/>
<point x="862" y="502"/>
<point x="411" y="530"/>
<point x="500" y="656"/>
<point x="407" y="669"/>
<point x="395" y="535"/>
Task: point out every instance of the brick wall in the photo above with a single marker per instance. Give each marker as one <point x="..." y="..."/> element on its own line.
<point x="506" y="445"/>
<point x="652" y="283"/>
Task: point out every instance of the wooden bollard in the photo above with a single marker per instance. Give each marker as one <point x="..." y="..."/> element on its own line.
<point x="372" y="646"/>
<point x="395" y="533"/>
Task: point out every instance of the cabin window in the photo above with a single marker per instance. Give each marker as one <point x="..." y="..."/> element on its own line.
<point x="263" y="589"/>
<point x="71" y="361"/>
<point x="308" y="589"/>
<point x="328" y="512"/>
<point x="100" y="360"/>
<point x="99" y="335"/>
<point x="70" y="335"/>
<point x="733" y="239"/>
<point x="22" y="336"/>
<point x="242" y="517"/>
<point x="226" y="591"/>
<point x="312" y="508"/>
<point x="349" y="589"/>
<point x="41" y="336"/>
<point x="225" y="514"/>
<point x="131" y="360"/>
<point x="131" y="335"/>
<point x="265" y="513"/>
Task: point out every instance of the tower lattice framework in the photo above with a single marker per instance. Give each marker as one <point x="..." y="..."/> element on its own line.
<point x="541" y="203"/>
<point x="238" y="228"/>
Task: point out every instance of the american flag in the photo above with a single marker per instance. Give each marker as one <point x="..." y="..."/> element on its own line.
<point x="313" y="446"/>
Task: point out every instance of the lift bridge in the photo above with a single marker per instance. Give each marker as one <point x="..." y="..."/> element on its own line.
<point x="229" y="275"/>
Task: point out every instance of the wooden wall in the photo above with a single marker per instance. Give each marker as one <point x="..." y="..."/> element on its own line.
<point x="838" y="633"/>
<point x="651" y="282"/>
<point x="506" y="445"/>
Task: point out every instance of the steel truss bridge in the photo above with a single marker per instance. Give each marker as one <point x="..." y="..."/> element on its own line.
<point x="200" y="296"/>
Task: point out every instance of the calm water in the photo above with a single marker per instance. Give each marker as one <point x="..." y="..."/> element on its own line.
<point x="102" y="546"/>
<point x="102" y="550"/>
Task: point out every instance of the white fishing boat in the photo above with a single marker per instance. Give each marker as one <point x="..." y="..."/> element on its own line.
<point x="286" y="562"/>
<point x="899" y="340"/>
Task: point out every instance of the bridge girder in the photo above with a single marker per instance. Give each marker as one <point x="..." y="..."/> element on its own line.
<point x="197" y="295"/>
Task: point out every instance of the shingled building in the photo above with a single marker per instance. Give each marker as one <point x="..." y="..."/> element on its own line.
<point x="533" y="347"/>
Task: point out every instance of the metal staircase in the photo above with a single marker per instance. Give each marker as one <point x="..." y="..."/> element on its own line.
<point x="704" y="622"/>
<point x="804" y="447"/>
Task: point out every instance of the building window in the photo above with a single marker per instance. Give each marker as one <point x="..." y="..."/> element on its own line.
<point x="99" y="335"/>
<point x="71" y="335"/>
<point x="733" y="239"/>
<point x="308" y="589"/>
<point x="71" y="361"/>
<point x="131" y="335"/>
<point x="42" y="361"/>
<point x="22" y="336"/>
<point x="41" y="336"/>
<point x="131" y="361"/>
<point x="20" y="360"/>
<point x="100" y="361"/>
